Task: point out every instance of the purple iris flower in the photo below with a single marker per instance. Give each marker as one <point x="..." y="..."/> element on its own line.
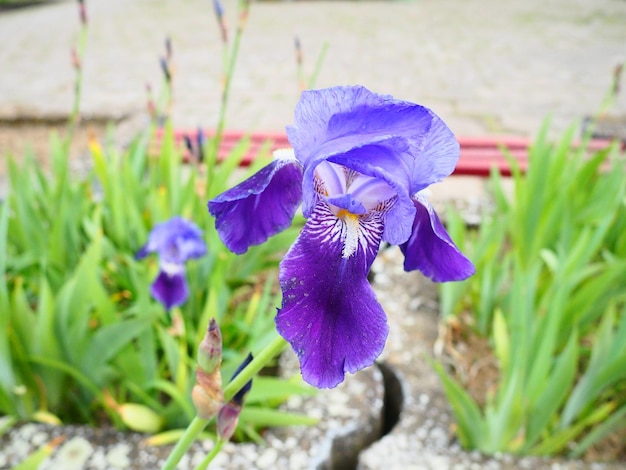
<point x="360" y="163"/>
<point x="175" y="241"/>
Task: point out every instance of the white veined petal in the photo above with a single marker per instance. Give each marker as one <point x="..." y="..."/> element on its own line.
<point x="370" y="191"/>
<point x="333" y="176"/>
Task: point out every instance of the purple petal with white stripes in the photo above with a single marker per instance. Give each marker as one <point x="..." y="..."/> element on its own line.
<point x="330" y="314"/>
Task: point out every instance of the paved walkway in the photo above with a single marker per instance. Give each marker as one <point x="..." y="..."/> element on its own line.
<point x="486" y="66"/>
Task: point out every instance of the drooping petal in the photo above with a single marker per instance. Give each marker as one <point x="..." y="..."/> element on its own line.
<point x="170" y="289"/>
<point x="431" y="250"/>
<point x="330" y="314"/>
<point x="259" y="207"/>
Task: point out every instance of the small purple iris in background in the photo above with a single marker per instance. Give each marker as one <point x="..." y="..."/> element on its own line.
<point x="175" y="241"/>
<point x="360" y="162"/>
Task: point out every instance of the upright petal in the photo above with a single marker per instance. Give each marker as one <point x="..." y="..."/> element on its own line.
<point x="431" y="250"/>
<point x="170" y="289"/>
<point x="330" y="314"/>
<point x="259" y="207"/>
<point x="175" y="240"/>
<point x="405" y="140"/>
<point x="438" y="155"/>
<point x="316" y="108"/>
<point x="338" y="119"/>
<point x="386" y="164"/>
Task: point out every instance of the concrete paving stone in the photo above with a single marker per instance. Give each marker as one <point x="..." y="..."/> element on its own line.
<point x="485" y="58"/>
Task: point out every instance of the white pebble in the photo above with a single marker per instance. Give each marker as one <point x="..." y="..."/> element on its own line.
<point x="118" y="456"/>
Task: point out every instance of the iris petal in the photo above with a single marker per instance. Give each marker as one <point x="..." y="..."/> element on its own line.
<point x="338" y="120"/>
<point x="176" y="241"/>
<point x="431" y="250"/>
<point x="330" y="314"/>
<point x="259" y="207"/>
<point x="170" y="289"/>
<point x="381" y="162"/>
<point x="348" y="203"/>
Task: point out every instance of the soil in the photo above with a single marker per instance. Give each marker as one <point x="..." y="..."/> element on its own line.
<point x="17" y="137"/>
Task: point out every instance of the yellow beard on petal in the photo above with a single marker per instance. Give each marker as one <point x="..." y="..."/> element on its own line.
<point x="352" y="229"/>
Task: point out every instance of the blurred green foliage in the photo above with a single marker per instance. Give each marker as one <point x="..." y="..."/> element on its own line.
<point x="549" y="294"/>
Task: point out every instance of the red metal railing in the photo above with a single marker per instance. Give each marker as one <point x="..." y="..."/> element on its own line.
<point x="478" y="154"/>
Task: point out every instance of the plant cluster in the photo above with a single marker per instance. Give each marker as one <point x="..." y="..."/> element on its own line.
<point x="549" y="296"/>
<point x="81" y="337"/>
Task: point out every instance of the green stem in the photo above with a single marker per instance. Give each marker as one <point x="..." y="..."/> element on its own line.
<point x="268" y="353"/>
<point x="211" y="455"/>
<point x="263" y="358"/>
<point x="80" y="52"/>
<point x="184" y="443"/>
<point x="228" y="76"/>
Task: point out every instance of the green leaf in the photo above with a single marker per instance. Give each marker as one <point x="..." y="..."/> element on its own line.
<point x="274" y="389"/>
<point x="558" y="441"/>
<point x="616" y="421"/>
<point x="269" y="417"/>
<point x="107" y="342"/>
<point x="471" y="425"/>
<point x="34" y="460"/>
<point x="542" y="411"/>
<point x="501" y="340"/>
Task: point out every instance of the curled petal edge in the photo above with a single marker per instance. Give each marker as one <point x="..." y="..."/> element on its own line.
<point x="431" y="250"/>
<point x="259" y="207"/>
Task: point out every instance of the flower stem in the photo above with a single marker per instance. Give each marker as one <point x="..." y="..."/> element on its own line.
<point x="196" y="426"/>
<point x="229" y="63"/>
<point x="211" y="455"/>
<point x="78" y="84"/>
<point x="263" y="358"/>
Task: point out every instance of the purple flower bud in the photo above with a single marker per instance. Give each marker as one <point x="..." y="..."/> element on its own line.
<point x="240" y="395"/>
<point x="219" y="9"/>
<point x="188" y="144"/>
<point x="227" y="420"/>
<point x="228" y="415"/>
<point x="298" y="46"/>
<point x="200" y="139"/>
<point x="165" y="67"/>
<point x="82" y="12"/>
<point x="76" y="62"/>
<point x="168" y="48"/>
<point x="210" y="349"/>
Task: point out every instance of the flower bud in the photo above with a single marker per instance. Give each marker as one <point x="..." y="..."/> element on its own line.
<point x="207" y="394"/>
<point x="139" y="417"/>
<point x="82" y="12"/>
<point x="228" y="415"/>
<point x="206" y="402"/>
<point x="165" y="68"/>
<point x="210" y="350"/>
<point x="227" y="420"/>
